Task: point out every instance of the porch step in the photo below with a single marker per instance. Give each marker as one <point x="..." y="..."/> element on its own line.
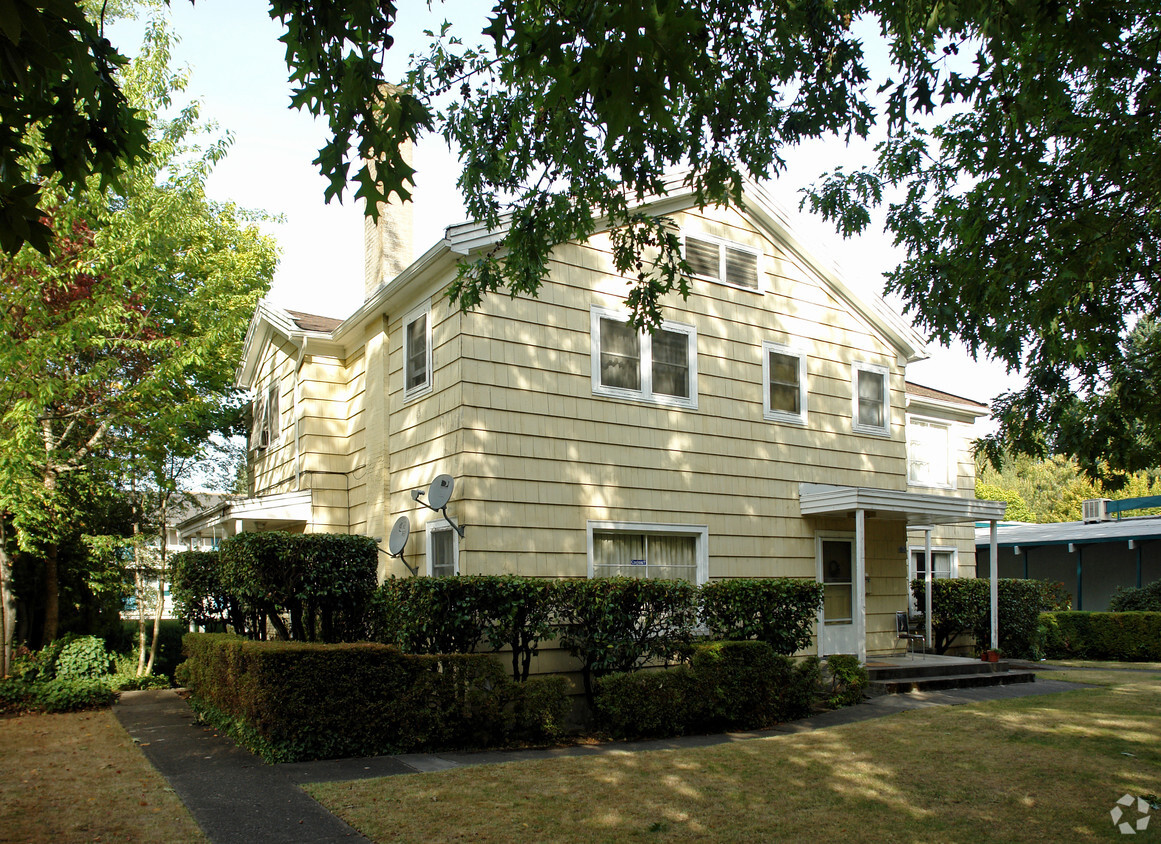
<point x="903" y="670"/>
<point x="959" y="680"/>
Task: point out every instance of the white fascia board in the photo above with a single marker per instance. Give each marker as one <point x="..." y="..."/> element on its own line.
<point x="916" y="508"/>
<point x="922" y="404"/>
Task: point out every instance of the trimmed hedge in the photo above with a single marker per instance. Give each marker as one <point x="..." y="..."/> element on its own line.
<point x="725" y="686"/>
<point x="780" y="611"/>
<point x="291" y="701"/>
<point x="1120" y="636"/>
<point x="1132" y="599"/>
<point x="962" y="606"/>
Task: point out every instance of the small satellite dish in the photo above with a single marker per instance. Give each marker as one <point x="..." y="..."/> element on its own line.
<point x="397" y="541"/>
<point x="440" y="492"/>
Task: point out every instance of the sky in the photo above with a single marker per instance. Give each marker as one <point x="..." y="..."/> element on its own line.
<point x="238" y="71"/>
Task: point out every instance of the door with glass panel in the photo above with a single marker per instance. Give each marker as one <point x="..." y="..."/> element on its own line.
<point x="836" y="621"/>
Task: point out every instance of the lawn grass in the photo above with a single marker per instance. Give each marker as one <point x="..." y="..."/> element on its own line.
<point x="78" y="777"/>
<point x="1096" y="663"/>
<point x="1040" y="768"/>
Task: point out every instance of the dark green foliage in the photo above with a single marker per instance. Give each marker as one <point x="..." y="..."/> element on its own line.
<point x="199" y="594"/>
<point x="1131" y="599"/>
<point x="168" y="644"/>
<point x="962" y="607"/>
<point x="620" y="624"/>
<point x="848" y="679"/>
<point x="296" y="701"/>
<point x="324" y="582"/>
<point x="57" y="695"/>
<point x="725" y="686"/>
<point x="520" y="610"/>
<point x="83" y="658"/>
<point x="1121" y="636"/>
<point x="779" y="611"/>
<point x="431" y="615"/>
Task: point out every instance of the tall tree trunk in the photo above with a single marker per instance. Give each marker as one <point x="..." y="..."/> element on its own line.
<point x="138" y="582"/>
<point x="51" y="592"/>
<point x="7" y="603"/>
<point x="162" y="573"/>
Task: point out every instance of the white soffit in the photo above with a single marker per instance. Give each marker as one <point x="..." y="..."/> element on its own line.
<point x="914" y="508"/>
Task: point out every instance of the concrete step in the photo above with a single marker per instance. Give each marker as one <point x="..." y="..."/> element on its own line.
<point x="903" y="670"/>
<point x="902" y="685"/>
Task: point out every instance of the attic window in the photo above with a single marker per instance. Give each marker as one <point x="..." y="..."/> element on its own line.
<point x="722" y="261"/>
<point x="265" y="417"/>
<point x="417" y="352"/>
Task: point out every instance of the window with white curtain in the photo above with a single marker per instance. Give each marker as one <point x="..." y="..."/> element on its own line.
<point x="871" y="400"/>
<point x="661" y="552"/>
<point x="443" y="549"/>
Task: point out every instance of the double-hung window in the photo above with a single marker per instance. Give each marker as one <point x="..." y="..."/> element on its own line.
<point x="943" y="566"/>
<point x="660" y="367"/>
<point x="928" y="453"/>
<point x="443" y="549"/>
<point x="784" y="383"/>
<point x="417" y="352"/>
<point x="648" y="551"/>
<point x="871" y="399"/>
<point x="722" y="261"/>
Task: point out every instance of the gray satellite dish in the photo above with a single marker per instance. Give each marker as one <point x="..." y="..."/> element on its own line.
<point x="440" y="492"/>
<point x="397" y="541"/>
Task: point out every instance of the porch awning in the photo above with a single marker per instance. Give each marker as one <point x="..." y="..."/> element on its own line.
<point x="915" y="508"/>
<point x="286" y="511"/>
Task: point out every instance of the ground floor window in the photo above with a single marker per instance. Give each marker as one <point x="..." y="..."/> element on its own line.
<point x="443" y="549"/>
<point x="664" y="552"/>
<point x="942" y="566"/>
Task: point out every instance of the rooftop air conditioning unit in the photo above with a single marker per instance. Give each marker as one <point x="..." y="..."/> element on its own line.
<point x="1094" y="510"/>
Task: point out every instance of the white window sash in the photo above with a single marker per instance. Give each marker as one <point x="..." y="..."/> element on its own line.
<point x="724" y="247"/>
<point x="441" y="526"/>
<point x="409" y="355"/>
<point x="647" y="392"/>
<point x="857" y="401"/>
<point x="658" y="532"/>
<point x="769" y="411"/>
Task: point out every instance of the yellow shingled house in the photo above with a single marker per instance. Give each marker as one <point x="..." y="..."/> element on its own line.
<point x="767" y="429"/>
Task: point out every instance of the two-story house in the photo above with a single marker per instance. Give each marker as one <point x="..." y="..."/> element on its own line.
<point x="762" y="431"/>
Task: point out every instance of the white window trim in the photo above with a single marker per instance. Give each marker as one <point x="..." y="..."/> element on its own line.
<point x="858" y="427"/>
<point x="275" y="420"/>
<point x="781" y="415"/>
<point x="423" y="310"/>
<point x="952" y="469"/>
<point x="733" y="244"/>
<point x="820" y="538"/>
<point x="438" y="525"/>
<point x="645" y="394"/>
<point x="700" y="533"/>
<point x="913" y="573"/>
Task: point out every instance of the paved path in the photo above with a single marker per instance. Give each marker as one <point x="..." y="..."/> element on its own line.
<point x="235" y="797"/>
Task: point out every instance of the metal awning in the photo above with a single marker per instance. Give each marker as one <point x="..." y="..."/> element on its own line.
<point x="285" y="511"/>
<point x="917" y="509"/>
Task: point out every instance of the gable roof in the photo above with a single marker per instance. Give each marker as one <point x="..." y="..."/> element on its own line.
<point x="465" y="239"/>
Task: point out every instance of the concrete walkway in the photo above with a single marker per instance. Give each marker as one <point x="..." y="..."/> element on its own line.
<point x="235" y="797"/>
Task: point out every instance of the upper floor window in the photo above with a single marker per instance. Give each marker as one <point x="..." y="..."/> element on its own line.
<point x="267" y="418"/>
<point x="417" y="351"/>
<point x="722" y="261"/>
<point x="659" y="367"/>
<point x="928" y="453"/>
<point x="872" y="409"/>
<point x="784" y="377"/>
<point x="648" y="551"/>
<point x="443" y="549"/>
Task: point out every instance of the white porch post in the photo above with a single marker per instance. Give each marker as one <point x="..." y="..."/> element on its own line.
<point x="927" y="584"/>
<point x="995" y="587"/>
<point x="860" y="612"/>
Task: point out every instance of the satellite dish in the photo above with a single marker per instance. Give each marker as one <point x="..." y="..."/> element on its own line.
<point x="398" y="538"/>
<point x="440" y="492"/>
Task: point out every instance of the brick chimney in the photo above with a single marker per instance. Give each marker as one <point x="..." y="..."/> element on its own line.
<point x="389" y="244"/>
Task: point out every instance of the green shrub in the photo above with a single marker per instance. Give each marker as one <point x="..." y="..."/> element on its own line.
<point x="1120" y="636"/>
<point x="433" y="615"/>
<point x="780" y="611"/>
<point x="200" y="595"/>
<point x="295" y="701"/>
<point x="619" y="624"/>
<point x="1132" y="599"/>
<point x="726" y="686"/>
<point x="962" y="607"/>
<point x="84" y="657"/>
<point x="848" y="679"/>
<point x="55" y="695"/>
<point x="644" y="704"/>
<point x="323" y="582"/>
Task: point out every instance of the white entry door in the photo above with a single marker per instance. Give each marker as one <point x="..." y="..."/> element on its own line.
<point x="836" y="565"/>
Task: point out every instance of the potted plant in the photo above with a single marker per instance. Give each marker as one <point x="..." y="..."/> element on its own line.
<point x="990" y="655"/>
